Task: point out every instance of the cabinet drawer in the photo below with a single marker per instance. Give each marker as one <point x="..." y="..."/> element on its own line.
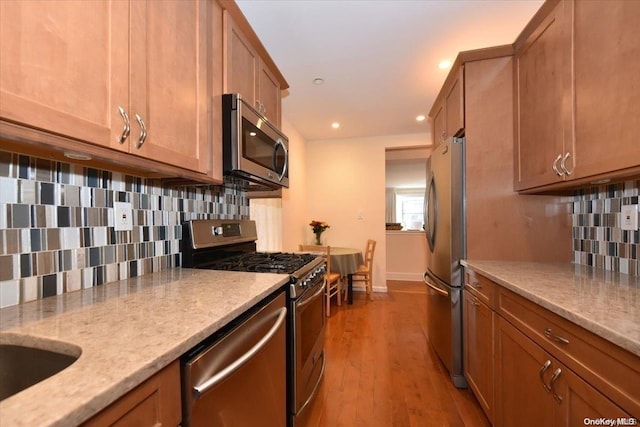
<point x="611" y="369"/>
<point x="480" y="287"/>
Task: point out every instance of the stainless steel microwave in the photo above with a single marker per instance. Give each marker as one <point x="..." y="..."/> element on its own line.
<point x="253" y="149"/>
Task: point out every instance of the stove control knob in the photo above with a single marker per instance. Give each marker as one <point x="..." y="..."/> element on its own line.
<point x="217" y="231"/>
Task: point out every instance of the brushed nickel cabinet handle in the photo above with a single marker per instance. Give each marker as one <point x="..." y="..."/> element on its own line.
<point x="563" y="165"/>
<point x="126" y="130"/>
<point x="554" y="166"/>
<point x="143" y="131"/>
<point x="554" y="378"/>
<point x="549" y="334"/>
<point x="475" y="301"/>
<point x="541" y="374"/>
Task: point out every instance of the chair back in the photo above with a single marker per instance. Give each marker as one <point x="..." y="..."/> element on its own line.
<point x="324" y="250"/>
<point x="368" y="254"/>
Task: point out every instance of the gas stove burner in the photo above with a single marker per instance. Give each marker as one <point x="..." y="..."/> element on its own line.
<point x="260" y="262"/>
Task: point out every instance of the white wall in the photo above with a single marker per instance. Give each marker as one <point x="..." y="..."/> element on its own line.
<point x="280" y="222"/>
<point x="346" y="178"/>
<point x="406" y="255"/>
<point x="294" y="198"/>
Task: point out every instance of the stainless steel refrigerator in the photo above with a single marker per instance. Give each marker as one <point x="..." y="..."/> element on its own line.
<point x="444" y="226"/>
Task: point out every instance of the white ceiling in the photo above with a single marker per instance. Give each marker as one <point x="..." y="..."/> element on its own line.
<point x="379" y="58"/>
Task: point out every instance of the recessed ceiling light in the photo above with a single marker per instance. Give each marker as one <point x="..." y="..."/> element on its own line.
<point x="318" y="81"/>
<point x="335" y="125"/>
<point x="443" y="65"/>
<point x="420" y="118"/>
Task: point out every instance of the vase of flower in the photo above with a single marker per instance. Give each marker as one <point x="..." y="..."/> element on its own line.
<point x="318" y="228"/>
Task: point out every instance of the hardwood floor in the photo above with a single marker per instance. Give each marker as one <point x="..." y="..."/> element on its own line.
<point x="381" y="371"/>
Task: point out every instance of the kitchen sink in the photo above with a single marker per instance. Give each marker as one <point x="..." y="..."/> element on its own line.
<point x="21" y="366"/>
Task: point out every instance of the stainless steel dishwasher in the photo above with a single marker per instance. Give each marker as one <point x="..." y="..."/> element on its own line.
<point x="238" y="378"/>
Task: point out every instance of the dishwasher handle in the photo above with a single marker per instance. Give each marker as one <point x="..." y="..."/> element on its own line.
<point x="205" y="386"/>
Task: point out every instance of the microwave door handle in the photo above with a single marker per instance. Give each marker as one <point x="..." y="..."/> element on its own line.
<point x="275" y="157"/>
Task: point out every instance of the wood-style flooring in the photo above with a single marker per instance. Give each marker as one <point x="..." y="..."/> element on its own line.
<point x="381" y="370"/>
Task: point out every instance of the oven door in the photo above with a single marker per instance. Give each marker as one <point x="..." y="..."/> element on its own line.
<point x="308" y="350"/>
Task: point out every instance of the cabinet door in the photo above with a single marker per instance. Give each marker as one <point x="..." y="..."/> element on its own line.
<point x="454" y="101"/>
<point x="155" y="402"/>
<point x="478" y="350"/>
<point x="169" y="82"/>
<point x="241" y="63"/>
<point x="64" y="67"/>
<point x="607" y="86"/>
<point x="577" y="400"/>
<point x="543" y="110"/>
<point x="521" y="399"/>
<point x="438" y="126"/>
<point x="269" y="94"/>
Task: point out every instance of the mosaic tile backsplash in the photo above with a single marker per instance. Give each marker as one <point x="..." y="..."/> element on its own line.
<point x="56" y="225"/>
<point x="598" y="239"/>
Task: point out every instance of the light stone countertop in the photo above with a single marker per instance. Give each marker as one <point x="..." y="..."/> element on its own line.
<point x="126" y="331"/>
<point x="603" y="302"/>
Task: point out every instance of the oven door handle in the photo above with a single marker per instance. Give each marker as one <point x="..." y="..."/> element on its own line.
<point x="202" y="388"/>
<point x="312" y="297"/>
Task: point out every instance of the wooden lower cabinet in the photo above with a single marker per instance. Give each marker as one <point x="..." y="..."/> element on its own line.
<point x="154" y="403"/>
<point x="478" y="321"/>
<point x="535" y="389"/>
<point x="521" y="399"/>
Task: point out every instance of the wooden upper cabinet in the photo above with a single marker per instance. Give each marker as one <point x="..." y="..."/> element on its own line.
<point x="270" y="97"/>
<point x="540" y="115"/>
<point x="607" y="86"/>
<point x="241" y="63"/>
<point x="247" y="73"/>
<point x="577" y="109"/>
<point x="64" y="67"/>
<point x="454" y="104"/>
<point x="84" y="70"/>
<point x="169" y="88"/>
<point x="447" y="113"/>
<point x="438" y="124"/>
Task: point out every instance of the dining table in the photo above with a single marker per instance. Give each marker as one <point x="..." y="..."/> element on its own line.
<point x="345" y="261"/>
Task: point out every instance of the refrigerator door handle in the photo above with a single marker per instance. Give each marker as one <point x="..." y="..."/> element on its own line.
<point x="431" y="237"/>
<point x="431" y="283"/>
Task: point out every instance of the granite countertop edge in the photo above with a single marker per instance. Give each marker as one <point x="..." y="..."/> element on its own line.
<point x="586" y="296"/>
<point x="126" y="331"/>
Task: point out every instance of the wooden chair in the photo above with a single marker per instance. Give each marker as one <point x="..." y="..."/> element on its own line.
<point x="333" y="281"/>
<point x="365" y="271"/>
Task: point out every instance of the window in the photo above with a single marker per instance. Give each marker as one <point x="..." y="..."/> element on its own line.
<point x="410" y="208"/>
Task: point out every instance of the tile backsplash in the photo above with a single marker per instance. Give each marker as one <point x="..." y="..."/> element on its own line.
<point x="56" y="225"/>
<point x="598" y="238"/>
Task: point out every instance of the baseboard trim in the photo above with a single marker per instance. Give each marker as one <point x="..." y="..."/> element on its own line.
<point x="382" y="289"/>
<point x="412" y="277"/>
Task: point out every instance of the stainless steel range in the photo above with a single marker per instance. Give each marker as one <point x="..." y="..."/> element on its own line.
<point x="230" y="245"/>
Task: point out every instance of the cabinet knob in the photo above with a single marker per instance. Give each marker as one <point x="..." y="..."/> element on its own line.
<point x="143" y="131"/>
<point x="443" y="136"/>
<point x="554" y="166"/>
<point x="126" y="130"/>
